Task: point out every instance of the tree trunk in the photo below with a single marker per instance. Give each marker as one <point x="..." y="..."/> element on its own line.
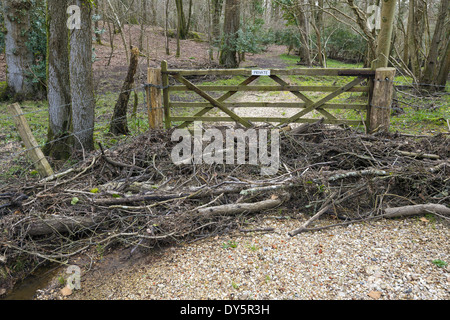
<point x="445" y="68"/>
<point x="58" y="84"/>
<point x="98" y="35"/>
<point x="178" y="54"/>
<point x="182" y="26"/>
<point x="19" y="58"/>
<point x="188" y="24"/>
<point x="154" y="14"/>
<point x="81" y="80"/>
<point x="317" y="24"/>
<point x="432" y="64"/>
<point x="216" y="14"/>
<point x="302" y="24"/>
<point x="415" y="30"/>
<point x="228" y="54"/>
<point x="166" y="27"/>
<point x="210" y="33"/>
<point x="144" y="21"/>
<point x="119" y="120"/>
<point x="384" y="38"/>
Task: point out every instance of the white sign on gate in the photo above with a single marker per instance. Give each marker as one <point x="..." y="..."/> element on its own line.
<point x="260" y="72"/>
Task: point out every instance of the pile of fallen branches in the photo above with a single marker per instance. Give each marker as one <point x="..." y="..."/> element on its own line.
<point x="136" y="197"/>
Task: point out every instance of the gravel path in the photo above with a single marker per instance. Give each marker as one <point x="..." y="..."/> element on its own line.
<point x="388" y="259"/>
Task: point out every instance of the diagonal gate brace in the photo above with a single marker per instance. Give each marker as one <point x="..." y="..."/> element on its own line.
<point x="213" y="101"/>
<point x="220" y="99"/>
<point x="321" y="102"/>
<point x="300" y="95"/>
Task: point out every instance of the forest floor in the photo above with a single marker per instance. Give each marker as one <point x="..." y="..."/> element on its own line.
<point x="387" y="259"/>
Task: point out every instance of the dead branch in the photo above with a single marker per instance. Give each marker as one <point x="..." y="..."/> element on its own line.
<point x="57" y="224"/>
<point x="325" y="207"/>
<point x="419" y="155"/>
<point x="231" y="209"/>
<point x="257" y="230"/>
<point x="358" y="174"/>
<point x="329" y="203"/>
<point x="414" y="210"/>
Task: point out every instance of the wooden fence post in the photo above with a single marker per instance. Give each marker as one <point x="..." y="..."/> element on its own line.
<point x="35" y="153"/>
<point x="379" y="114"/>
<point x="166" y="96"/>
<point x="154" y="103"/>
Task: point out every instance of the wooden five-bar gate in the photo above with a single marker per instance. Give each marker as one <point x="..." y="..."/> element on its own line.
<point x="378" y="86"/>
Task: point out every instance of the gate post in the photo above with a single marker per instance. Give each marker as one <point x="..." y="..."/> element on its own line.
<point x="166" y="96"/>
<point x="154" y="104"/>
<point x="379" y="114"/>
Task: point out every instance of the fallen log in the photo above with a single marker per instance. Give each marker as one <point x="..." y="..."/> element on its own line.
<point x="397" y="212"/>
<point x="414" y="210"/>
<point x="57" y="224"/>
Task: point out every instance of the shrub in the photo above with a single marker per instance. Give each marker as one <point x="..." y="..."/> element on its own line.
<point x="344" y="44"/>
<point x="37" y="44"/>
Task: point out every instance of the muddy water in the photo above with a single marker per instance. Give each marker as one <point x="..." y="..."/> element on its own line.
<point x="26" y="289"/>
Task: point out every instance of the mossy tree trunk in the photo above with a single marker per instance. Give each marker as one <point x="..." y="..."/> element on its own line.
<point x="228" y="53"/>
<point x="183" y="28"/>
<point x="58" y="85"/>
<point x="81" y="80"/>
<point x="216" y="15"/>
<point x="19" y="58"/>
<point x="442" y="76"/>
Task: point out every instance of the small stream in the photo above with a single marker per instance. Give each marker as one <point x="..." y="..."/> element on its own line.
<point x="26" y="289"/>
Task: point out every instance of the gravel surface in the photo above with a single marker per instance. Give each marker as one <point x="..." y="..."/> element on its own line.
<point x="386" y="259"/>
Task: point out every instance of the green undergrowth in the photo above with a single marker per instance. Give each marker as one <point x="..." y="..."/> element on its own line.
<point x="36" y="114"/>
